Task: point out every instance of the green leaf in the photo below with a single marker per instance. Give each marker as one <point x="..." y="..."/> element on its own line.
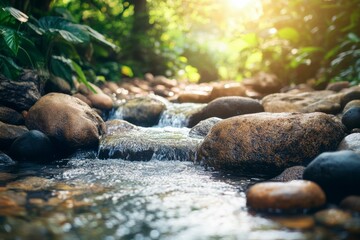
<point x="65" y="67"/>
<point x="353" y="38"/>
<point x="60" y="67"/>
<point x="11" y="38"/>
<point x="289" y="33"/>
<point x="20" y="16"/>
<point x="77" y="69"/>
<point x="70" y="32"/>
<point x="99" y="37"/>
<point x="8" y="67"/>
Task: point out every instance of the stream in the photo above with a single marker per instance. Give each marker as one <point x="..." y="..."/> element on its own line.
<point x="118" y="199"/>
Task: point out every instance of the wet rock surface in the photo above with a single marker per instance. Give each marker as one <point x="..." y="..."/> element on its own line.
<point x="351" y="118"/>
<point x="267" y="143"/>
<point x="338" y="173"/>
<point x="145" y="144"/>
<point x="294" y="195"/>
<point x="22" y="93"/>
<point x="67" y="121"/>
<point x="226" y="107"/>
<point x="5" y="160"/>
<point x="142" y="111"/>
<point x="10" y="116"/>
<point x="8" y="134"/>
<point x="203" y="127"/>
<point x="32" y="146"/>
<point x="318" y="101"/>
<point x="350" y="142"/>
<point x="290" y="174"/>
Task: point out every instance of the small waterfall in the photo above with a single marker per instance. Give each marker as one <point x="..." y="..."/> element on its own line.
<point x="144" y="144"/>
<point x="177" y="114"/>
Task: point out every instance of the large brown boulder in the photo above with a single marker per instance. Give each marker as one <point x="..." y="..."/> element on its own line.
<point x="267" y="143"/>
<point x="317" y="101"/>
<point x="226" y="107"/>
<point x="68" y="121"/>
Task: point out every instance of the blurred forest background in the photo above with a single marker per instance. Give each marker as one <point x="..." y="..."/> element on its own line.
<point x="195" y="40"/>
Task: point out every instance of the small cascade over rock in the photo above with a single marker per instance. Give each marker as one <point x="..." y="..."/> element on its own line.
<point x="178" y="114"/>
<point x="144" y="144"/>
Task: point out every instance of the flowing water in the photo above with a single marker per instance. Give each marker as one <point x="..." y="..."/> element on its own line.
<point x="117" y="199"/>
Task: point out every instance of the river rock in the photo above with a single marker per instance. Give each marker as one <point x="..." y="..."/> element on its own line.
<point x="351" y="104"/>
<point x="22" y="93"/>
<point x="8" y="133"/>
<point x="289" y="196"/>
<point x="203" y="127"/>
<point x="5" y="160"/>
<point x="142" y="111"/>
<point x="10" y="116"/>
<point x="264" y="83"/>
<point x="67" y="121"/>
<point x="57" y="84"/>
<point x="317" y="101"/>
<point x="229" y="89"/>
<point x="351" y="118"/>
<point x="351" y="203"/>
<point x="290" y="174"/>
<point x="144" y="144"/>
<point x="350" y="142"/>
<point x="83" y="98"/>
<point x="267" y="143"/>
<point x="332" y="217"/>
<point x="350" y="95"/>
<point x="337" y="86"/>
<point x="226" y="107"/>
<point x="33" y="146"/>
<point x="99" y="99"/>
<point x="193" y="97"/>
<point x="338" y="173"/>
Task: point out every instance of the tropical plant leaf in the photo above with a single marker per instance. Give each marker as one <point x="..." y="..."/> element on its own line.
<point x="8" y="67"/>
<point x="11" y="38"/>
<point x="65" y="67"/>
<point x="60" y="67"/>
<point x="77" y="69"/>
<point x="70" y="32"/>
<point x="99" y="37"/>
<point x="20" y="16"/>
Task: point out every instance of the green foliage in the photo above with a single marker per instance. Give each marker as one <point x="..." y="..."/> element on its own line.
<point x="51" y="44"/>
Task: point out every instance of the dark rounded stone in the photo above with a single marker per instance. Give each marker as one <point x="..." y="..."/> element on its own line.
<point x="8" y="134"/>
<point x="5" y="160"/>
<point x="351" y="118"/>
<point x="338" y="173"/>
<point x="33" y="146"/>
